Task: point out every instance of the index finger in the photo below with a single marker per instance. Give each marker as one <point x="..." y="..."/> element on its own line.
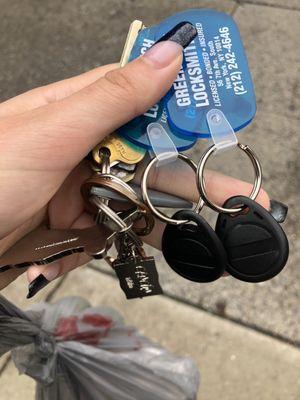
<point x="47" y="94"/>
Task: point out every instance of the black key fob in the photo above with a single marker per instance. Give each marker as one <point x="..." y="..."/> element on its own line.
<point x="194" y="251"/>
<point x="257" y="247"/>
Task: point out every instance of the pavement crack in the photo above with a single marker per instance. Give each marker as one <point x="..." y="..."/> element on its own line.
<point x="216" y="313"/>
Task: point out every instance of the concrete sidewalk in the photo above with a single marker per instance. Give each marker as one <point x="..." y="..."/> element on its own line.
<point x="234" y="362"/>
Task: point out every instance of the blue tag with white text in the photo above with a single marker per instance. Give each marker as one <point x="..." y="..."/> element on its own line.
<point x="214" y="75"/>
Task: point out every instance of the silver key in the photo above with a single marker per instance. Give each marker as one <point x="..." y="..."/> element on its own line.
<point x="159" y="199"/>
<point x="114" y="220"/>
<point x="125" y="167"/>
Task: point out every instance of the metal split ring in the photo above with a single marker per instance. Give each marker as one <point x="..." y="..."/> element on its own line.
<point x="160" y="215"/>
<point x="113" y="216"/>
<point x="201" y="180"/>
<point x="116" y="184"/>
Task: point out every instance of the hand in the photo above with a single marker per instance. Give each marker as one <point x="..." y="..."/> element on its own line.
<point x="46" y="132"/>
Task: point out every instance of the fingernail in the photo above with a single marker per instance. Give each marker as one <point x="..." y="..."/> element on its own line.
<point x="183" y="33"/>
<point x="170" y="46"/>
<point x="278" y="210"/>
<point x="36" y="285"/>
<point x="43" y="279"/>
<point x="162" y="54"/>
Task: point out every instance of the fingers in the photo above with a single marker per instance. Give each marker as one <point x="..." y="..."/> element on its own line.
<point x="154" y="239"/>
<point x="8" y="276"/>
<point x="180" y="180"/>
<point x="53" y="92"/>
<point x="40" y="276"/>
<point x="67" y="203"/>
<point x="57" y="269"/>
<point x="80" y="121"/>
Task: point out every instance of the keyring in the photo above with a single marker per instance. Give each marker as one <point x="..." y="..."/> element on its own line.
<point x="111" y="214"/>
<point x="116" y="184"/>
<point x="201" y="180"/>
<point x="160" y="215"/>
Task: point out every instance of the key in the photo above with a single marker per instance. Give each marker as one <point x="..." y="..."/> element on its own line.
<point x="257" y="247"/>
<point x="126" y="167"/>
<point x="120" y="150"/>
<point x="193" y="251"/>
<point x="135" y="27"/>
<point x="123" y="174"/>
<point x="158" y="199"/>
<point x="43" y="246"/>
<point x="126" y="172"/>
<point x="137" y="273"/>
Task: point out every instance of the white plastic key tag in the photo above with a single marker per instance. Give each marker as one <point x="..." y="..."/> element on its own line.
<point x="162" y="145"/>
<point x="221" y="131"/>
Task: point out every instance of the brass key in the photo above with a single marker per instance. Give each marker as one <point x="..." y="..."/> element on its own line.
<point x="122" y="150"/>
<point x="133" y="32"/>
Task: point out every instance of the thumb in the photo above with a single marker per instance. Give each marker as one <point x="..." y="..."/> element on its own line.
<point x="70" y="128"/>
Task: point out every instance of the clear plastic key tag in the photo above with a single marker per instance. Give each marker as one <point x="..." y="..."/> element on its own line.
<point x="221" y="131"/>
<point x="162" y="145"/>
<point x="136" y="130"/>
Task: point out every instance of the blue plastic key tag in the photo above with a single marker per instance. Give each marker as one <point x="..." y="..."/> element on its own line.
<point x="214" y="75"/>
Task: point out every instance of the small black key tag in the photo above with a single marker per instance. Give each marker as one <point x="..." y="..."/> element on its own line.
<point x="138" y="278"/>
<point x="193" y="251"/>
<point x="257" y="247"/>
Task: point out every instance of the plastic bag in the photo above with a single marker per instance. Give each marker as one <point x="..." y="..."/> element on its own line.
<point x="75" y="351"/>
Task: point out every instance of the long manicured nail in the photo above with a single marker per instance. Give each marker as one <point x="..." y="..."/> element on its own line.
<point x="36" y="285"/>
<point x="278" y="210"/>
<point x="171" y="45"/>
<point x="42" y="280"/>
<point x="183" y="33"/>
